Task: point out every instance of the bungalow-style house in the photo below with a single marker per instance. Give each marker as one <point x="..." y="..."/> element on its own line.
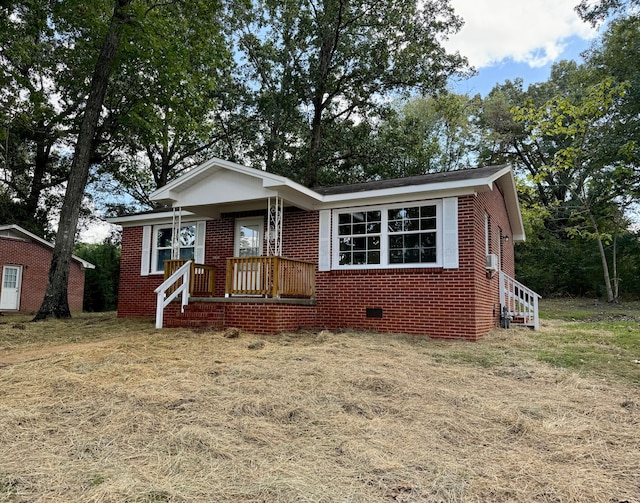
<point x="239" y="247"/>
<point x="25" y="260"/>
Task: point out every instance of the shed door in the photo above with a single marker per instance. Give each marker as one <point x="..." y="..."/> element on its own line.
<point x="11" y="282"/>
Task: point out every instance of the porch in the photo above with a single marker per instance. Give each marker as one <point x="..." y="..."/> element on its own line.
<point x="282" y="283"/>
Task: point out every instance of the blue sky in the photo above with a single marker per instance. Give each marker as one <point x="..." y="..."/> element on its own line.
<point x="507" y="39"/>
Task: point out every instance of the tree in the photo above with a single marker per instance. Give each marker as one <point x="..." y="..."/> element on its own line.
<point x="597" y="12"/>
<point x="576" y="169"/>
<point x="616" y="57"/>
<point x="55" y="301"/>
<point x="425" y="135"/>
<point x="101" y="283"/>
<point x="34" y="126"/>
<point x="174" y="100"/>
<point x="323" y="70"/>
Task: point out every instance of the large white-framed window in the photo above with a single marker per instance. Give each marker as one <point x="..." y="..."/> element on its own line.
<point x="162" y="242"/>
<point x="389" y="236"/>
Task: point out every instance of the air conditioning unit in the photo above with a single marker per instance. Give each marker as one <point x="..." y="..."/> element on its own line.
<point x="492" y="262"/>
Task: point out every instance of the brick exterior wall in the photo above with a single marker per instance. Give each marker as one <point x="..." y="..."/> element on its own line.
<point x="436" y="302"/>
<point x="35" y="260"/>
<point x="135" y="292"/>
<point x="487" y="286"/>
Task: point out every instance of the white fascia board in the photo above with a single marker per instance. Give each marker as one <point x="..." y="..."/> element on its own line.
<point x="275" y="181"/>
<point x="166" y="192"/>
<point x="513" y="205"/>
<point x="171" y="191"/>
<point x="149" y="218"/>
<point x="407" y="193"/>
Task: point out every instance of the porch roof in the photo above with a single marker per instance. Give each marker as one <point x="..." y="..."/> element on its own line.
<point x="218" y="186"/>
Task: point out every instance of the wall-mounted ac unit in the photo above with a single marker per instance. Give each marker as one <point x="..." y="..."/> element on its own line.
<point x="492" y="262"/>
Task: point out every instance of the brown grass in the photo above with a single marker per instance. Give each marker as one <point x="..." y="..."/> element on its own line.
<point x="134" y="415"/>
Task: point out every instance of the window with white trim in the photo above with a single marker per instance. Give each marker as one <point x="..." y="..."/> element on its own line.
<point x="163" y="242"/>
<point x="407" y="235"/>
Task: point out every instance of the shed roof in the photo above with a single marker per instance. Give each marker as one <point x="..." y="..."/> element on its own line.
<point x="16" y="232"/>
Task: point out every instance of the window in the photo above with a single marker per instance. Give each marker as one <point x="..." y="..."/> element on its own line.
<point x="390" y="236"/>
<point x="162" y="244"/>
<point x="487" y="234"/>
<point x="412" y="235"/>
<point x="359" y="237"/>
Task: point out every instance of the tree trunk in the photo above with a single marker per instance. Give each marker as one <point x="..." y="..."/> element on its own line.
<point x="605" y="268"/>
<point x="330" y="39"/>
<point x="616" y="279"/>
<point x="55" y="302"/>
<point x="603" y="258"/>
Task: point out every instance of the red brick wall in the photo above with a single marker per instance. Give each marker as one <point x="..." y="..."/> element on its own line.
<point x="487" y="303"/>
<point x="35" y="260"/>
<point x="269" y="318"/>
<point x="135" y="292"/>
<point x="424" y="301"/>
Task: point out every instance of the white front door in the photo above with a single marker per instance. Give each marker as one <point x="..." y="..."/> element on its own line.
<point x="249" y="237"/>
<point x="248" y="243"/>
<point x="11" y="282"/>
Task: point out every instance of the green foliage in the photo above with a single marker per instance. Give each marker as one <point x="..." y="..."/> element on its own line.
<point x="598" y="11"/>
<point x="101" y="283"/>
<point x="425" y="135"/>
<point x="166" y="102"/>
<point x="322" y="70"/>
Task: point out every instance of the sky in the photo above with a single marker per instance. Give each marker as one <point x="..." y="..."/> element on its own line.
<point x="507" y="39"/>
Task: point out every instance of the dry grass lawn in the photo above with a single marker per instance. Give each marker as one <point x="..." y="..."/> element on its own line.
<point x="103" y="410"/>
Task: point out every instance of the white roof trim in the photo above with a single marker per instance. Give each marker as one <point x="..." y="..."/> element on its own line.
<point x="171" y="191"/>
<point x="308" y="199"/>
<point x="24" y="232"/>
<point x="151" y="218"/>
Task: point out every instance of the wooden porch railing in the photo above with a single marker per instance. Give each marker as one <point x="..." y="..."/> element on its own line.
<point x="270" y="277"/>
<point x="520" y="301"/>
<point x="203" y="277"/>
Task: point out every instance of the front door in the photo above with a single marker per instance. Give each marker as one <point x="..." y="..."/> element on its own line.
<point x="248" y="243"/>
<point x="11" y="282"/>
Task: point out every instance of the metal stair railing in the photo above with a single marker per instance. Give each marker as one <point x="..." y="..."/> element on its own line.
<point x="521" y="302"/>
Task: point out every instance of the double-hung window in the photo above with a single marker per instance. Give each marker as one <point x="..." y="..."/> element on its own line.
<point x="407" y="235"/>
<point x="163" y="243"/>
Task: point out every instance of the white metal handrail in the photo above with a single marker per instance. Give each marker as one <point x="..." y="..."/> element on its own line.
<point x="520" y="301"/>
<point x="163" y="300"/>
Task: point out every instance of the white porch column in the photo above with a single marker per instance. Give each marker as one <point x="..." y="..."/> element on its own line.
<point x="274" y="227"/>
<point x="176" y="225"/>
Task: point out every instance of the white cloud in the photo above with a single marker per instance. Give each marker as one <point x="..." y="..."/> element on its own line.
<point x="525" y="31"/>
